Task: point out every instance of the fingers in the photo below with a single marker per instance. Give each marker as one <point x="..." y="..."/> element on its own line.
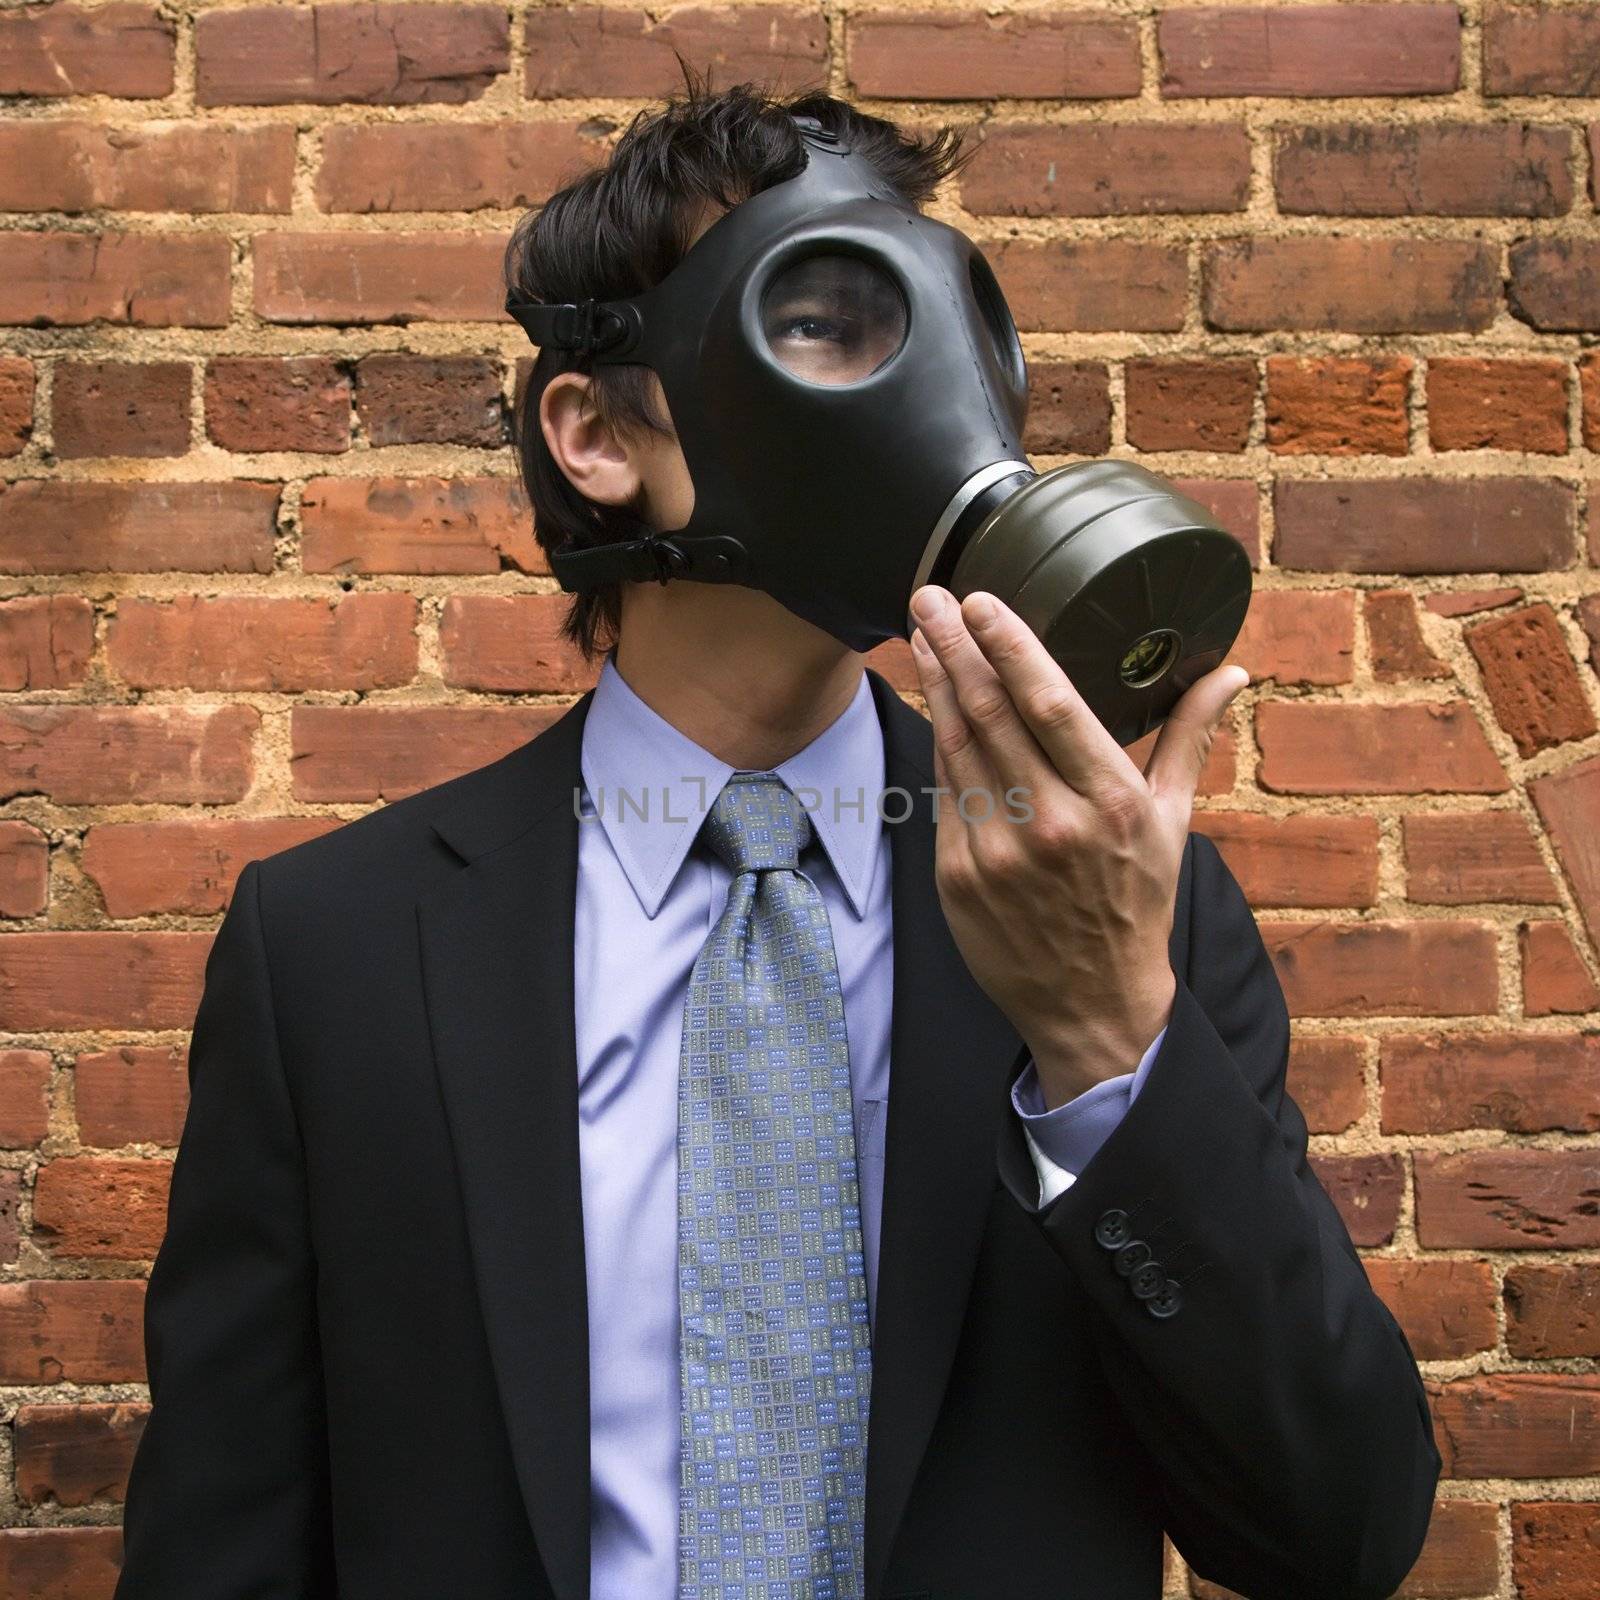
<point x="1181" y="748"/>
<point x="955" y="744"/>
<point x="985" y="701"/>
<point x="1062" y="723"/>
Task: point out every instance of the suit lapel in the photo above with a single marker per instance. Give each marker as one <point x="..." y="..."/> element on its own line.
<point x="953" y="1055"/>
<point x="496" y="941"/>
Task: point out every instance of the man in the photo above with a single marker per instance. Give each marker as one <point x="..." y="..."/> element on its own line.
<point x="641" y="1169"/>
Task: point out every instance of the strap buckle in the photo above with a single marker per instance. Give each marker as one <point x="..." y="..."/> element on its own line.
<point x="586" y="327"/>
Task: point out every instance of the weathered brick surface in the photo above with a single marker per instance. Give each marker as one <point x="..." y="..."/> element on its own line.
<point x="75" y="1455"/>
<point x="121" y="408"/>
<point x="1334" y="269"/>
<point x="396" y="55"/>
<point x="1309" y="50"/>
<point x="1337" y="406"/>
<point x="123" y="50"/>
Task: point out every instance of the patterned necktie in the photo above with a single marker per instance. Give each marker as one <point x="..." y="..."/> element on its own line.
<point x="775" y="1347"/>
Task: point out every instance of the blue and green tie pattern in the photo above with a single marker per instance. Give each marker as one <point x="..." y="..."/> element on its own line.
<point x="775" y="1347"/>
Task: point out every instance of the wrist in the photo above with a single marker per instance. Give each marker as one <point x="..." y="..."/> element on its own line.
<point x="1073" y="1057"/>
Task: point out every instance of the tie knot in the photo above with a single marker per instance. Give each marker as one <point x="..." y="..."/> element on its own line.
<point x="756" y="823"/>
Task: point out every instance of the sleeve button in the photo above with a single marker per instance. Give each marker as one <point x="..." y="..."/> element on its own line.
<point x="1113" y="1230"/>
<point x="1166" y="1301"/>
<point x="1147" y="1280"/>
<point x="1133" y="1254"/>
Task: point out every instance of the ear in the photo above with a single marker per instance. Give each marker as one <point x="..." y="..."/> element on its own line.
<point x="600" y="465"/>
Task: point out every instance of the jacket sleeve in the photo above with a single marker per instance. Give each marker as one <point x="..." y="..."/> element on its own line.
<point x="228" y="1492"/>
<point x="1276" y="1396"/>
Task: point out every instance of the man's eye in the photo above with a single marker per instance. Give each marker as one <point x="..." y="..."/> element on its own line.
<point x="812" y="328"/>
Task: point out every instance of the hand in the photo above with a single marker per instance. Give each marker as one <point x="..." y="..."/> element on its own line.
<point x="1057" y="859"/>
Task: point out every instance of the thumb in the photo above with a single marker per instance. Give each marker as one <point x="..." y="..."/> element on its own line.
<point x="1184" y="742"/>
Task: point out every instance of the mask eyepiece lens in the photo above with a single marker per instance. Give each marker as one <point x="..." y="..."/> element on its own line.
<point x="833" y="319"/>
<point x="1149" y="658"/>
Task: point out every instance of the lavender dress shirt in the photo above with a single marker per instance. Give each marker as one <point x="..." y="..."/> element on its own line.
<point x="645" y="904"/>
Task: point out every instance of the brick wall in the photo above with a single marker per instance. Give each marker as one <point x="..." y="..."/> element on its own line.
<point x="263" y="565"/>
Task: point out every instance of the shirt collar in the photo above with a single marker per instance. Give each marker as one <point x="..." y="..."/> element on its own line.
<point x="651" y="786"/>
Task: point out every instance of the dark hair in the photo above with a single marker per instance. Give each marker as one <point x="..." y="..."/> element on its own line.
<point x="620" y="228"/>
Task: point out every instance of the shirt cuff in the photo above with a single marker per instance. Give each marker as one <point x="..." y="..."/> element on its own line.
<point x="1063" y="1141"/>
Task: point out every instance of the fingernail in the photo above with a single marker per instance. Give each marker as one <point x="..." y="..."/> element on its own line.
<point x="919" y="644"/>
<point x="927" y="603"/>
<point x="980" y="608"/>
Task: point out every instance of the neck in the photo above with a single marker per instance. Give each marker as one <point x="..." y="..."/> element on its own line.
<point x="733" y="670"/>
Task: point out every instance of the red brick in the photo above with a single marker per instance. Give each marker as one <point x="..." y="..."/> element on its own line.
<point x="24" y="1098"/>
<point x="299" y="403"/>
<point x="1457" y="858"/>
<point x="186" y="865"/>
<point x="92" y="1208"/>
<point x="1446" y="1308"/>
<point x="127" y="755"/>
<point x="1416" y="747"/>
<point x="510" y="644"/>
<point x="16" y="404"/>
<point x="157" y="280"/>
<point x="1093" y="286"/>
<point x="1108" y="169"/>
<point x="417" y="525"/>
<point x="1555" y="284"/>
<point x="1384" y="968"/>
<point x="1553" y="1310"/>
<point x="1338" y="406"/>
<point x="75" y="1455"/>
<point x="1508" y="1199"/>
<point x="71" y="979"/>
<point x="1589" y="387"/>
<point x="1554" y="978"/>
<point x="389" y="55"/>
<point x="46" y="641"/>
<point x="24" y="870"/>
<point x="131" y="1095"/>
<point x="1300" y="860"/>
<point x="1418" y="525"/>
<point x="1555" y="1549"/>
<point x="1498" y="405"/>
<point x="892" y="659"/>
<point x="366" y="753"/>
<point x="575" y="52"/>
<point x="451" y="166"/>
<point x="1367" y="1192"/>
<point x="1298" y="636"/>
<point x="1308" y="50"/>
<point x="1530" y="49"/>
<point x="54" y="526"/>
<point x="1589" y="616"/>
<point x="1394" y="634"/>
<point x="1351" y="285"/>
<point x="1521" y="1083"/>
<point x="405" y="399"/>
<point x="80" y="1331"/>
<point x="1327" y="1081"/>
<point x="60" y="1563"/>
<point x="1451" y="169"/>
<point x="10" y="1215"/>
<point x="1189" y="405"/>
<point x="126" y="51"/>
<point x="956" y="55"/>
<point x="1466" y="602"/>
<point x="1518" y="1425"/>
<point x="1461" y="1554"/>
<point x="121" y="408"/>
<point x="90" y="166"/>
<point x="1236" y="505"/>
<point x="448" y="276"/>
<point x="1217" y="776"/>
<point x="1530" y="678"/>
<point x="250" y="642"/>
<point x="1568" y="803"/>
<point x="1069" y="409"/>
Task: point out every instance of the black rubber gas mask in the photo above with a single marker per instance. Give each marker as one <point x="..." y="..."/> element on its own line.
<point x="849" y="393"/>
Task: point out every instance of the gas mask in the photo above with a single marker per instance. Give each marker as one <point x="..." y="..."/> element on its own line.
<point x="849" y="393"/>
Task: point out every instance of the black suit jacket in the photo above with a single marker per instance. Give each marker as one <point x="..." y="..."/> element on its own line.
<point x="366" y="1328"/>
